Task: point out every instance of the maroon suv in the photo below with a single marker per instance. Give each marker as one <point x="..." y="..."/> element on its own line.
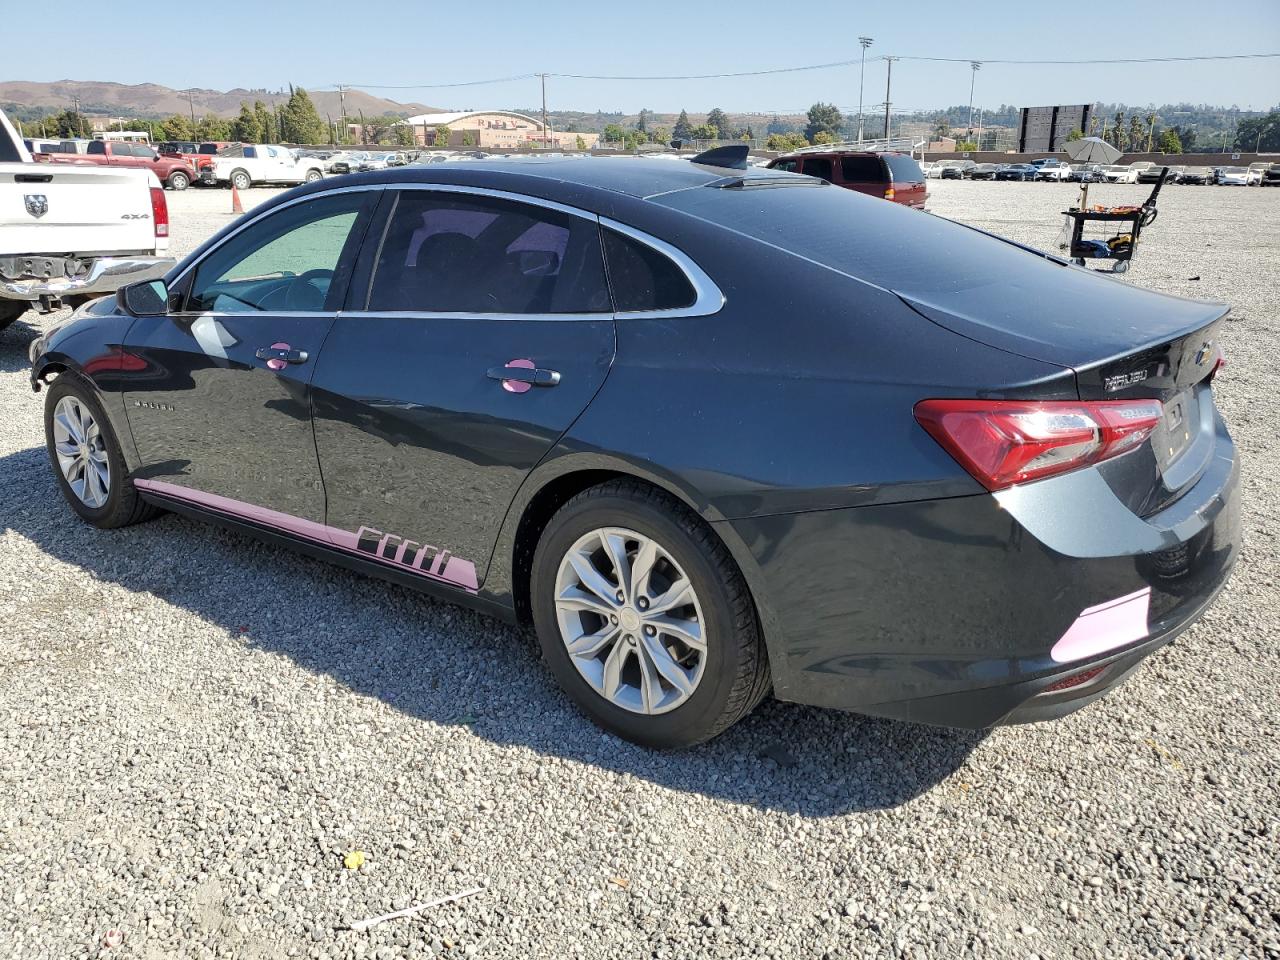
<point x="894" y="176"/>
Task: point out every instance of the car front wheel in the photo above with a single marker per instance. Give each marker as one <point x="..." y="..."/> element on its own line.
<point x="86" y="457"/>
<point x="644" y="618"/>
<point x="179" y="181"/>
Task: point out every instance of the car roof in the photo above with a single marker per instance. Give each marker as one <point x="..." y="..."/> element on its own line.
<point x="638" y="177"/>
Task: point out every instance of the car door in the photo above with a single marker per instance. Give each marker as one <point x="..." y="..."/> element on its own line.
<point x="478" y="328"/>
<point x="218" y="393"/>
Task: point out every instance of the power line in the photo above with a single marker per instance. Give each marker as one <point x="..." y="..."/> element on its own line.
<point x="635" y="78"/>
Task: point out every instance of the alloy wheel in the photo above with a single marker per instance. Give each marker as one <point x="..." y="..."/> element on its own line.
<point x="81" y="451"/>
<point x="630" y="620"/>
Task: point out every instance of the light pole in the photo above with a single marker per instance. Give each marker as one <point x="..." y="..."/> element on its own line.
<point x="888" y="81"/>
<point x="975" y="65"/>
<point x="862" y="74"/>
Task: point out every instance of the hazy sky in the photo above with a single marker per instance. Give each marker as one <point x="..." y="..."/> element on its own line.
<point x="379" y="42"/>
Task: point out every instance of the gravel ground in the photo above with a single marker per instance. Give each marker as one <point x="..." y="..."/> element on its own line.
<point x="187" y="759"/>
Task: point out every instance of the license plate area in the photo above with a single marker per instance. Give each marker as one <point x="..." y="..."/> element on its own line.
<point x="1173" y="434"/>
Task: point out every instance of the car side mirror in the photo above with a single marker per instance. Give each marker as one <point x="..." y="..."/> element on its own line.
<point x="146" y="298"/>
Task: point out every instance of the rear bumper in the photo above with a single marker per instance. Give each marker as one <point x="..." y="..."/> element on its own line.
<point x="105" y="275"/>
<point x="964" y="612"/>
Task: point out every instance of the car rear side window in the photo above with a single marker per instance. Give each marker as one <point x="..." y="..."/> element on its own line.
<point x="98" y="146"/>
<point x="457" y="253"/>
<point x="904" y="169"/>
<point x="861" y="170"/>
<point x="790" y="166"/>
<point x="821" y="167"/>
<point x="643" y="279"/>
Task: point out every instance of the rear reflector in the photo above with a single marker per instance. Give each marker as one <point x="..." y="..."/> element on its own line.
<point x="889" y="194"/>
<point x="1074" y="680"/>
<point x="1003" y="442"/>
<point x="159" y="212"/>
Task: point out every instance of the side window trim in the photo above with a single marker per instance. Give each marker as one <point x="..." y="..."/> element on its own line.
<point x="708" y="297"/>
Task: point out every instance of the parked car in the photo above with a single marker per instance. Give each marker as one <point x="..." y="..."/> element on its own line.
<point x="1232" y="176"/>
<point x="199" y="155"/>
<point x="69" y="232"/>
<point x="1255" y="172"/>
<point x="953" y="169"/>
<point x="1054" y="170"/>
<point x="37" y="145"/>
<point x="1118" y="173"/>
<point x="1195" y="175"/>
<point x="1015" y="171"/>
<point x="893" y="176"/>
<point x="381" y="161"/>
<point x="1151" y="174"/>
<point x="176" y="174"/>
<point x="981" y="171"/>
<point x="345" y="162"/>
<point x="925" y="167"/>
<point x="1086" y="173"/>
<point x="267" y="163"/>
<point x="899" y="462"/>
<point x="1271" y="176"/>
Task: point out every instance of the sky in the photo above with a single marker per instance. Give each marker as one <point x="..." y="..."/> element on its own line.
<point x="380" y="44"/>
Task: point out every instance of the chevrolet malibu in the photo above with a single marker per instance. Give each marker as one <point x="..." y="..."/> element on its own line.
<point x="714" y="432"/>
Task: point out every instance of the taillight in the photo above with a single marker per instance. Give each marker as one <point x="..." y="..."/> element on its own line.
<point x="1003" y="442"/>
<point x="889" y="194"/>
<point x="159" y="212"/>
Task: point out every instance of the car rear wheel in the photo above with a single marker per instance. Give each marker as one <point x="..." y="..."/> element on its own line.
<point x="11" y="310"/>
<point x="313" y="176"/>
<point x="240" y="180"/>
<point x="179" y="180"/>
<point x="644" y="618"/>
<point x="86" y="457"/>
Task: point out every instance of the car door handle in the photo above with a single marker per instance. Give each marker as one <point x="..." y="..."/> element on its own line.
<point x="278" y="356"/>
<point x="534" y="376"/>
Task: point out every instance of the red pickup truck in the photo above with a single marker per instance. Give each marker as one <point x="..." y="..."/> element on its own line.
<point x="173" y="172"/>
<point x="197" y="154"/>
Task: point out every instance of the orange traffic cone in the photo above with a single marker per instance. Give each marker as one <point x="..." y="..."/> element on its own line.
<point x="235" y="201"/>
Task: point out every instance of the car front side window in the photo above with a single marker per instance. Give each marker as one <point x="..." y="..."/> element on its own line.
<point x="292" y="260"/>
<point x="444" y="252"/>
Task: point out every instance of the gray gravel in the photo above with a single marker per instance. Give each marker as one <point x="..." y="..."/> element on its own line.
<point x="196" y="728"/>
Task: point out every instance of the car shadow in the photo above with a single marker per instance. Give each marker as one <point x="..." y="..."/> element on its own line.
<point x="15" y="342"/>
<point x="443" y="664"/>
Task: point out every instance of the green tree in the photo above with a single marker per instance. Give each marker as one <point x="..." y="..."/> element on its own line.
<point x="1256" y="133"/>
<point x="823" y="118"/>
<point x="442" y="136"/>
<point x="266" y="122"/>
<point x="614" y="134"/>
<point x="660" y="135"/>
<point x="780" y="142"/>
<point x="822" y="136"/>
<point x="642" y="122"/>
<point x="404" y="135"/>
<point x="717" y="119"/>
<point x="1115" y="135"/>
<point x="246" y="127"/>
<point x="705" y="131"/>
<point x="301" y="123"/>
<point x="1137" y="133"/>
<point x="1076" y="134"/>
<point x="582" y="143"/>
<point x="684" y="129"/>
<point x="1169" y="141"/>
<point x="212" y="127"/>
<point x="177" y="127"/>
<point x="468" y="138"/>
<point x="966" y="146"/>
<point x="69" y="123"/>
<point x="942" y="129"/>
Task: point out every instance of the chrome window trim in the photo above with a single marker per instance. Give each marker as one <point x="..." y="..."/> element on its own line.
<point x="708" y="298"/>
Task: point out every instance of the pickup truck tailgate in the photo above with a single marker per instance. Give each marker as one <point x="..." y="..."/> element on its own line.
<point x="60" y="209"/>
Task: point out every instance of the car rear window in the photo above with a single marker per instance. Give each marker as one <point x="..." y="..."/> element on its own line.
<point x="903" y="169"/>
<point x="98" y="146"/>
<point x="861" y="170"/>
<point x="643" y="279"/>
<point x="821" y="167"/>
<point x="448" y="253"/>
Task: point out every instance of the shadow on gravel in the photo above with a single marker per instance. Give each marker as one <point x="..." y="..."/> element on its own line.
<point x="15" y="341"/>
<point x="445" y="665"/>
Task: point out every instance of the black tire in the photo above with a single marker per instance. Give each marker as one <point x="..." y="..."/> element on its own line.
<point x="123" y="505"/>
<point x="178" y="180"/>
<point x="313" y="176"/>
<point x="736" y="676"/>
<point x="241" y="180"/>
<point x="11" y="310"/>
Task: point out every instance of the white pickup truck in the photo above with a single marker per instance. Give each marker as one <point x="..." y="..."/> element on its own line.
<point x="70" y="233"/>
<point x="241" y="167"/>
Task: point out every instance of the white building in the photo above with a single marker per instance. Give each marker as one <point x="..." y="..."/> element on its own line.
<point x="494" y="129"/>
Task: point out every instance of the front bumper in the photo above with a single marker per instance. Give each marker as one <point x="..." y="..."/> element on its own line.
<point x="964" y="612"/>
<point x="105" y="275"/>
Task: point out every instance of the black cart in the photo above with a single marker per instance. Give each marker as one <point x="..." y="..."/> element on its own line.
<point x="1115" y="233"/>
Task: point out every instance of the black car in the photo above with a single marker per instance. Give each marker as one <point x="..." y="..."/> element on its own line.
<point x="1270" y="176"/>
<point x="714" y="432"/>
<point x="1016" y="171"/>
<point x="1196" y="175"/>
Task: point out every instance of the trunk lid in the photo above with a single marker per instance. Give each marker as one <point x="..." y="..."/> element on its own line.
<point x="86" y="210"/>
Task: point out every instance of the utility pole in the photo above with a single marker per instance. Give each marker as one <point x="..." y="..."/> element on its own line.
<point x="975" y="65"/>
<point x="862" y="75"/>
<point x="1151" y="133"/>
<point x="192" y="103"/>
<point x="888" y="81"/>
<point x="342" y="108"/>
<point x="545" y="131"/>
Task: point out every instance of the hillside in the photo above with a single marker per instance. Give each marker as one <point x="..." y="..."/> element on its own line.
<point x="152" y="101"/>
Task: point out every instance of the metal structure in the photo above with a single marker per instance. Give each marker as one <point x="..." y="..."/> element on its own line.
<point x="1045" y="129"/>
<point x="880" y="145"/>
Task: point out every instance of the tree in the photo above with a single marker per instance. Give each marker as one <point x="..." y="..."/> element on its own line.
<point x="212" y="127"/>
<point x="1076" y="134"/>
<point x="404" y="135"/>
<point x="966" y="146"/>
<point x="69" y="123"/>
<point x="614" y="134"/>
<point x="705" y="131"/>
<point x="266" y="122"/>
<point x="784" y="142"/>
<point x="822" y="136"/>
<point x="1261" y="134"/>
<point x="468" y="138"/>
<point x="1116" y="135"/>
<point x="684" y="129"/>
<point x="717" y="119"/>
<point x="942" y="129"/>
<point x="300" y="121"/>
<point x="823" y="118"/>
<point x="1136" y="130"/>
<point x="1169" y="142"/>
<point x="642" y="123"/>
<point x="246" y="127"/>
<point x="177" y="127"/>
<point x="442" y="135"/>
<point x="1187" y="136"/>
<point x="582" y="144"/>
<point x="660" y="135"/>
